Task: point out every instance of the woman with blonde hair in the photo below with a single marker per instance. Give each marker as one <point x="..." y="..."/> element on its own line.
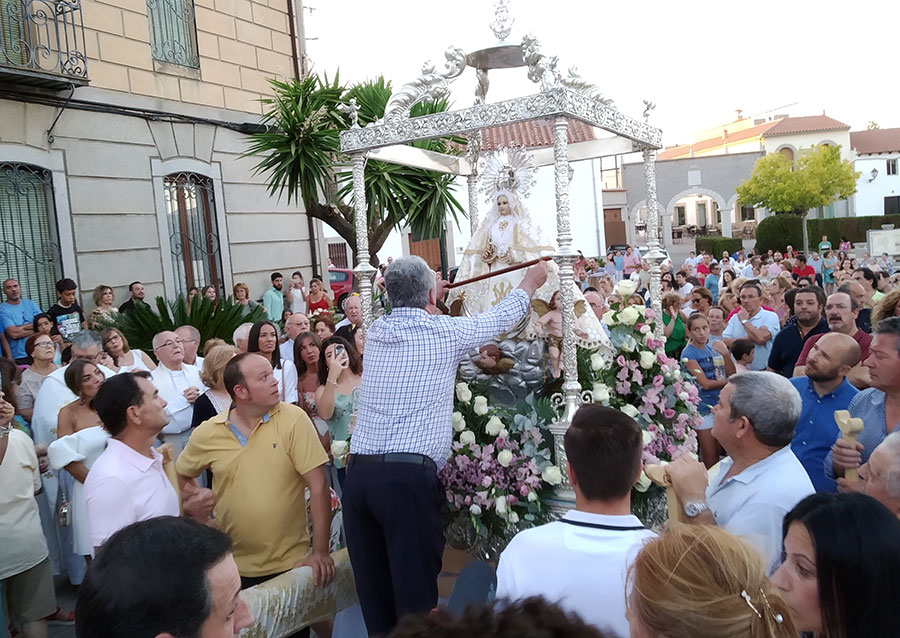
<point x="774" y="297"/>
<point x="126" y="360"/>
<point x="242" y="297"/>
<point x="105" y="312"/>
<point x="216" y="399"/>
<point x="700" y="581"/>
<point x="889" y="306"/>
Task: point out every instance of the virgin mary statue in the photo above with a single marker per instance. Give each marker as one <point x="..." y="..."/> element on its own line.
<point x="507" y="237"/>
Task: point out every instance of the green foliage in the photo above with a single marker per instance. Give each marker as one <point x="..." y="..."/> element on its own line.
<point x="715" y="245"/>
<point x="300" y="153"/>
<point x="818" y="178"/>
<point x="777" y="231"/>
<point x="213" y="321"/>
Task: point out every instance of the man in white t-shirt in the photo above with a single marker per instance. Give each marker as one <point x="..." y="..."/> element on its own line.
<point x="179" y="385"/>
<point x="755" y="323"/>
<point x="581" y="561"/>
<point x="761" y="480"/>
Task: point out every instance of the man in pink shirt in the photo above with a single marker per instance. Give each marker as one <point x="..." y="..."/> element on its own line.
<point x="127" y="482"/>
<point x="632" y="261"/>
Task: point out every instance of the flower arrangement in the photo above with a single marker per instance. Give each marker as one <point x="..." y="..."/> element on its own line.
<point x="319" y="312"/>
<point x="500" y="470"/>
<point x="644" y="383"/>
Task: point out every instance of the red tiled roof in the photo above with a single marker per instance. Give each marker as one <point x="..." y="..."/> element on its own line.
<point x="532" y="134"/>
<point x="712" y="142"/>
<point x="807" y="124"/>
<point x="885" y="140"/>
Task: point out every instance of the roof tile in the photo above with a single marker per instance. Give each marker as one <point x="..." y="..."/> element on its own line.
<point x="885" y="140"/>
<point x="806" y="124"/>
<point x="532" y="134"/>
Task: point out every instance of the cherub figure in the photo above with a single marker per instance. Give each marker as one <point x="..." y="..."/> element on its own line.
<point x="491" y="360"/>
<point x="550" y="324"/>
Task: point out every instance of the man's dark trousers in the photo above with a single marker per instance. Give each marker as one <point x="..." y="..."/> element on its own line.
<point x="394" y="524"/>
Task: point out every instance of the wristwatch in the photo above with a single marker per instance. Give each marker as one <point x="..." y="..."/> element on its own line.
<point x="692" y="509"/>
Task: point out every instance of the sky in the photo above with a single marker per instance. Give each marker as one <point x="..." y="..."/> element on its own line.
<point x="699" y="61"/>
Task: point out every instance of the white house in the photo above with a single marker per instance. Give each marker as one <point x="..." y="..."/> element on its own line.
<point x="877" y="158"/>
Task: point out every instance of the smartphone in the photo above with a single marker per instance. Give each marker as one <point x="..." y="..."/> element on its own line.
<point x="340" y="354"/>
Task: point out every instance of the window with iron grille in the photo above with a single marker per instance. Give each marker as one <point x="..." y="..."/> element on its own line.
<point x="29" y="241"/>
<point x="193" y="232"/>
<point x="173" y="32"/>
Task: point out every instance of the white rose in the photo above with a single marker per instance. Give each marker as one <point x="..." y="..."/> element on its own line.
<point x="505" y="458"/>
<point x="676" y="374"/>
<point x="532" y="496"/>
<point x="684" y="396"/>
<point x="480" y="406"/>
<point x="500" y="505"/>
<point x="596" y="361"/>
<point x="629" y="344"/>
<point x="494" y="425"/>
<point x="643" y="483"/>
<point x="513" y="518"/>
<point x="459" y="422"/>
<point x="339" y="448"/>
<point x="626" y="288"/>
<point x="475" y="509"/>
<point x="467" y="437"/>
<point x="645" y="329"/>
<point x="486" y="481"/>
<point x="552" y="475"/>
<point x="630" y="410"/>
<point x="649" y="437"/>
<point x="463" y="393"/>
<point x="629" y="316"/>
<point x="648" y="359"/>
<point x="504" y="434"/>
<point x="609" y="317"/>
<point x="600" y="392"/>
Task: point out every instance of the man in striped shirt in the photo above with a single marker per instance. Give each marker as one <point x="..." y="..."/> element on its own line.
<point x="393" y="499"/>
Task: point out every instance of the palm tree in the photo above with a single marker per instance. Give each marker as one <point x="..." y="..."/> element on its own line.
<point x="300" y="152"/>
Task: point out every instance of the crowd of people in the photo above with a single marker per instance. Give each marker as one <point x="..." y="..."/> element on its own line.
<point x="786" y="526"/>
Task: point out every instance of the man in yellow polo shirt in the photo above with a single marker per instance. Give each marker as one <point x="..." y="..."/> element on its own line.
<point x="263" y="454"/>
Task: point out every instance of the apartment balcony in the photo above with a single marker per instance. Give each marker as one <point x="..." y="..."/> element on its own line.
<point x="42" y="43"/>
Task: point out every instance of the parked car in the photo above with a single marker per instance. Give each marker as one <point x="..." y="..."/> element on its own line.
<point x="341" y="281"/>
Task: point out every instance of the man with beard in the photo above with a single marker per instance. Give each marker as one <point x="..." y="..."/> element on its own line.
<point x="273" y="298"/>
<point x="841" y="311"/>
<point x="808" y="305"/>
<point x="824" y="390"/>
<point x="136" y="296"/>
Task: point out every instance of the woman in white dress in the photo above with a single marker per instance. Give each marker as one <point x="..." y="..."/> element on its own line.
<point x="264" y="340"/>
<point x="126" y="360"/>
<point x="80" y="441"/>
<point x="297" y="294"/>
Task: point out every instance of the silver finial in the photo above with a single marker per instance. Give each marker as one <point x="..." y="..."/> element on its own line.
<point x="351" y="109"/>
<point x="503" y="22"/>
<point x="648" y="106"/>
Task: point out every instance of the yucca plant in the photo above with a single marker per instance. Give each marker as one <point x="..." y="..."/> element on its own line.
<point x="217" y="320"/>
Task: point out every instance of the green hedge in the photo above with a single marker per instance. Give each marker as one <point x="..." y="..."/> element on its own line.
<point x="777" y="231"/>
<point x="715" y="245"/>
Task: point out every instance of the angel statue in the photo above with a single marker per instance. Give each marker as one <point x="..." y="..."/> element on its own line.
<point x="508" y="237"/>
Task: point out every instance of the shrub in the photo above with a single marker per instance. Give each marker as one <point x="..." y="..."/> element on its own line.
<point x="777" y="231"/>
<point x="715" y="245"/>
<point x="219" y="320"/>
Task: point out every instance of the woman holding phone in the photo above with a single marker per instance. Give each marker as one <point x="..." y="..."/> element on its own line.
<point x="340" y="373"/>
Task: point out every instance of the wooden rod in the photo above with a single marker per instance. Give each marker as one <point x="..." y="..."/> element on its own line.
<point x="502" y="271"/>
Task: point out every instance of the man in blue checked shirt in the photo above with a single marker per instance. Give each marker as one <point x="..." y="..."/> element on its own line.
<point x="393" y="500"/>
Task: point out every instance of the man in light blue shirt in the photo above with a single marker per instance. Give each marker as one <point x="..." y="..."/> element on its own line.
<point x="273" y="299"/>
<point x="16" y="315"/>
<point x="823" y="390"/>
<point x="755" y="323"/>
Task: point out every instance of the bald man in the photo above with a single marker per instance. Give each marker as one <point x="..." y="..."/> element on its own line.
<point x="824" y="389"/>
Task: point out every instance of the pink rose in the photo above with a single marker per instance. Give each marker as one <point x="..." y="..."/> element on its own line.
<point x="669" y="413"/>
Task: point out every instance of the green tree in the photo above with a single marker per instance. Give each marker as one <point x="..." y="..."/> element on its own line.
<point x="300" y="153"/>
<point x="818" y="178"/>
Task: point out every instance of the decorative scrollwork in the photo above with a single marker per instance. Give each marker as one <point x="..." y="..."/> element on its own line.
<point x="179" y="241"/>
<point x="431" y="85"/>
<point x="508" y="168"/>
<point x="173" y="36"/>
<point x="351" y="109"/>
<point x="503" y="22"/>
<point x="557" y="402"/>
<point x="542" y="69"/>
<point x="43" y="36"/>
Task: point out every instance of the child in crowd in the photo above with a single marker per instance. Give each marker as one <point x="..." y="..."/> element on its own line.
<point x="66" y="313"/>
<point x="742" y="352"/>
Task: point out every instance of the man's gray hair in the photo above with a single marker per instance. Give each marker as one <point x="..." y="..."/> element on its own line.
<point x="892" y="474"/>
<point x="87" y="339"/>
<point x="408" y="281"/>
<point x="771" y="404"/>
<point x="241" y="332"/>
<point x="191" y="330"/>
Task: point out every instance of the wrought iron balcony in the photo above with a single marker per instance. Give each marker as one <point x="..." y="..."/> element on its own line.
<point x="42" y="43"/>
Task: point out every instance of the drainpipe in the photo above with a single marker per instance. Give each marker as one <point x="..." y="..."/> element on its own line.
<point x="298" y="57"/>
